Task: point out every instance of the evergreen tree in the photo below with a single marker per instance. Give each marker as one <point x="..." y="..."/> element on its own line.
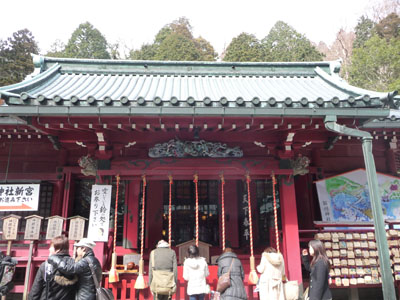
<point x="175" y="41"/>
<point x="376" y="66"/>
<point x="57" y="49"/>
<point x="389" y="27"/>
<point x="87" y="42"/>
<point x="15" y="57"/>
<point x="364" y="30"/>
<point x="284" y="43"/>
<point x="244" y="47"/>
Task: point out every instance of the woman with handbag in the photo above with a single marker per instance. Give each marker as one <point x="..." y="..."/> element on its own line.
<point x="195" y="271"/>
<point x="229" y="262"/>
<point x="319" y="268"/>
<point x="272" y="269"/>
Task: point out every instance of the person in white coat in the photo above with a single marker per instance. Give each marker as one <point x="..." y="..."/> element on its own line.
<point x="195" y="272"/>
<point x="272" y="269"/>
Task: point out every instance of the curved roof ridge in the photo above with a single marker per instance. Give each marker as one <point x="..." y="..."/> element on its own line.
<point x="44" y="59"/>
<point x="343" y="85"/>
<point x="32" y="81"/>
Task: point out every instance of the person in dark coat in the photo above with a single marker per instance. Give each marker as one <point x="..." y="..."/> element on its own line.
<point x="7" y="270"/>
<point x="236" y="290"/>
<point x="49" y="283"/>
<point x="86" y="289"/>
<point x="319" y="268"/>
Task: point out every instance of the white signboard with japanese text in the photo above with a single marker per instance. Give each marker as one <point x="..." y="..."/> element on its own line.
<point x="19" y="197"/>
<point x="99" y="218"/>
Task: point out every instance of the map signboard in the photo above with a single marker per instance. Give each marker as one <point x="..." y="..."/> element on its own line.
<point x="345" y="198"/>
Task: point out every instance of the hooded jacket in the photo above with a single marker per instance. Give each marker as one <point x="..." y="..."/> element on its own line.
<point x="195" y="271"/>
<point x="236" y="290"/>
<point x="86" y="289"/>
<point x="272" y="269"/>
<point x="49" y="280"/>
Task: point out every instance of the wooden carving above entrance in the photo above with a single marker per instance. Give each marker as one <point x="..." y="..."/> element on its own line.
<point x="181" y="149"/>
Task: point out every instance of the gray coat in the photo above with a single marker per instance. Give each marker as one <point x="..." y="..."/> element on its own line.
<point x="236" y="290"/>
<point x="164" y="259"/>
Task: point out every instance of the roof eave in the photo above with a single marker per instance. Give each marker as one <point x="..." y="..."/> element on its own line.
<point x="192" y="111"/>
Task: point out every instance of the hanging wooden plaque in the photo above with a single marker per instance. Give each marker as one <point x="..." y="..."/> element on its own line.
<point x="32" y="227"/>
<point x="10" y="227"/>
<point x="54" y="227"/>
<point x="76" y="228"/>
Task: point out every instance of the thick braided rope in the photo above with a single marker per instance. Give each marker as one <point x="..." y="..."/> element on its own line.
<point x="196" y="180"/>
<point x="143" y="204"/>
<point x="223" y="211"/>
<point x="116" y="215"/>
<point x="275" y="213"/>
<point x="170" y="211"/>
<point x="250" y="218"/>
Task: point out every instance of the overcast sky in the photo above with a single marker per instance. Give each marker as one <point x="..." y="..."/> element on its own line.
<point x="137" y="21"/>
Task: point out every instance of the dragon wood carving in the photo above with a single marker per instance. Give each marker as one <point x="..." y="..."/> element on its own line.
<point x="180" y="149"/>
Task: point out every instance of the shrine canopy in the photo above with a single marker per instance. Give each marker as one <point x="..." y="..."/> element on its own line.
<point x="82" y="87"/>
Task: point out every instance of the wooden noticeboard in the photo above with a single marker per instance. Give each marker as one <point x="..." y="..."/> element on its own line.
<point x="204" y="250"/>
<point x="10" y="227"/>
<point x="32" y="227"/>
<point x="54" y="227"/>
<point x="76" y="228"/>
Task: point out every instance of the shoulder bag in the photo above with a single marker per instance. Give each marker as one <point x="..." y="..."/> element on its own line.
<point x="163" y="281"/>
<point x="224" y="281"/>
<point x="101" y="292"/>
<point x="291" y="290"/>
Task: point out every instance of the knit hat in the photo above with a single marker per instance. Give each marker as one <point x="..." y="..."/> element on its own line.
<point x="85" y="242"/>
<point x="162" y="244"/>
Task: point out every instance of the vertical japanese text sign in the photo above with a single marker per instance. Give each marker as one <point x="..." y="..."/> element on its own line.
<point x="100" y="213"/>
<point x="76" y="228"/>
<point x="10" y="227"/>
<point x="54" y="227"/>
<point x="32" y="227"/>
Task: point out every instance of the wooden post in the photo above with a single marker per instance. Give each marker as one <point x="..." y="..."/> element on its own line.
<point x="28" y="271"/>
<point x="32" y="233"/>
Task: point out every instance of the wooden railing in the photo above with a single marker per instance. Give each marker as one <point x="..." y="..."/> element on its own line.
<point x="124" y="289"/>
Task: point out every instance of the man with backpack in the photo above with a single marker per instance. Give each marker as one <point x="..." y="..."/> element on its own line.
<point x="163" y="271"/>
<point x="7" y="270"/>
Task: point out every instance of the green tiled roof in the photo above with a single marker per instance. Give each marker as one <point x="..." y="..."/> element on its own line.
<point x="140" y="84"/>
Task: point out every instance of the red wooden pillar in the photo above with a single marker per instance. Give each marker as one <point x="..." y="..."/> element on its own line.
<point x="132" y="214"/>
<point x="231" y="214"/>
<point x="66" y="198"/>
<point x="391" y="162"/>
<point x="57" y="198"/>
<point x="154" y="213"/>
<point x="291" y="242"/>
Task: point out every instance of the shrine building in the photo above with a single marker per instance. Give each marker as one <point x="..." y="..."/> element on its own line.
<point x="178" y="138"/>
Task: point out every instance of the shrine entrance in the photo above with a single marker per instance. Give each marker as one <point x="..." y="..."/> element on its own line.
<point x="209" y="193"/>
<point x="183" y="211"/>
